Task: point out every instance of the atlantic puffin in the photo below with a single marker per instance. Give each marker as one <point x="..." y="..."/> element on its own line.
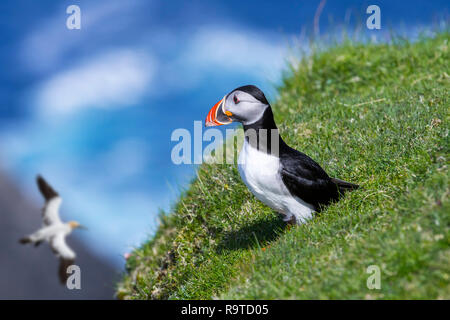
<point x="281" y="177"/>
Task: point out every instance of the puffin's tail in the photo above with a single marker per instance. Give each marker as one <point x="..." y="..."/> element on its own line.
<point x="344" y="186"/>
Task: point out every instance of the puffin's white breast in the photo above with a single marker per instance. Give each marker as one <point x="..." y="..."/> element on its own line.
<point x="261" y="173"/>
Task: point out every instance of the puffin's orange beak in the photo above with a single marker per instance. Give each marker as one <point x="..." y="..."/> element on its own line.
<point x="217" y="116"/>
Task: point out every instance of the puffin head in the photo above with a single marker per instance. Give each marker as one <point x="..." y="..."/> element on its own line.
<point x="245" y="104"/>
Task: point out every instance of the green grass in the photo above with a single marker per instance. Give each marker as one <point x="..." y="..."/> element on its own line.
<point x="373" y="114"/>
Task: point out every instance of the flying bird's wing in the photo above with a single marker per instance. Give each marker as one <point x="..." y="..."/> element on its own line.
<point x="65" y="254"/>
<point x="62" y="270"/>
<point x="305" y="179"/>
<point x="50" y="212"/>
<point x="60" y="247"/>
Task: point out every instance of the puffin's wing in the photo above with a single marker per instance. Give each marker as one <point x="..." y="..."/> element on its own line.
<point x="65" y="254"/>
<point x="50" y="212"/>
<point x="306" y="180"/>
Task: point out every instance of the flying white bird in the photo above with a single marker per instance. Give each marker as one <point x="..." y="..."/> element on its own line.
<point x="54" y="231"/>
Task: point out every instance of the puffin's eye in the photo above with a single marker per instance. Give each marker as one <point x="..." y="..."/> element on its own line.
<point x="236" y="100"/>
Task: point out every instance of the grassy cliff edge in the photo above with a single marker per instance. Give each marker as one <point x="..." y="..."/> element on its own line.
<point x="373" y="114"/>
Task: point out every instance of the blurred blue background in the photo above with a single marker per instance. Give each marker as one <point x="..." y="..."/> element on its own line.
<point x="93" y="110"/>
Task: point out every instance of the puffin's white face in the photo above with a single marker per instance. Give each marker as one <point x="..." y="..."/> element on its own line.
<point x="236" y="106"/>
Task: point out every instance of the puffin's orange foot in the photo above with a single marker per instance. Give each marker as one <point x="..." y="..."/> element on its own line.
<point x="264" y="248"/>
